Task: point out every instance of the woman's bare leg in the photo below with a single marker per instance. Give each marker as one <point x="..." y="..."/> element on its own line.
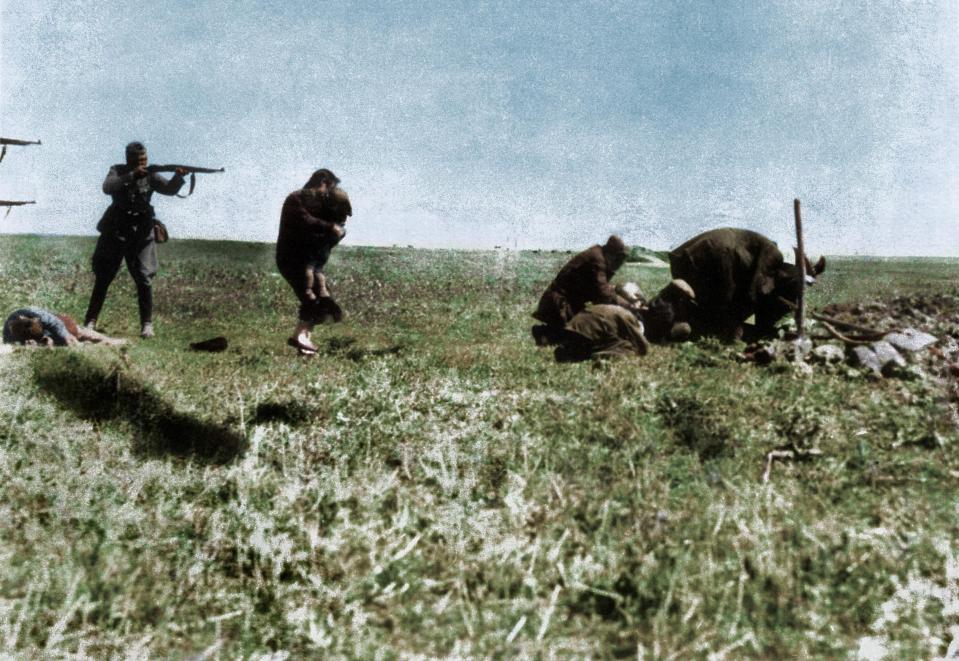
<point x="88" y="335"/>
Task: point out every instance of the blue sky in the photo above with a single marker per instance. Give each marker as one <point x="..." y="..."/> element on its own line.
<point x="499" y="123"/>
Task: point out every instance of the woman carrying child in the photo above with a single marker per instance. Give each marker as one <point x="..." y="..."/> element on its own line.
<point x="311" y="224"/>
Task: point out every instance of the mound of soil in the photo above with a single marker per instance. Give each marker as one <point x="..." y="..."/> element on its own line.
<point x="937" y="314"/>
<point x="931" y="321"/>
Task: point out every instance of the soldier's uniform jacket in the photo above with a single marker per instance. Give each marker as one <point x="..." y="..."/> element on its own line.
<point x="602" y="331"/>
<point x="729" y="269"/>
<point x="584" y="279"/>
<point x="131" y="215"/>
<point x="306" y="225"/>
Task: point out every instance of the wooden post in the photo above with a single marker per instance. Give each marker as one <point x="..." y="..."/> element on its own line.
<point x="801" y="270"/>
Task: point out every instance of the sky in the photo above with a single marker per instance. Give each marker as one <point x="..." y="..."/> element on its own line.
<point x="513" y="124"/>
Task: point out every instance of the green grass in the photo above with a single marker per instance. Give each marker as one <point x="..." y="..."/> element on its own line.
<point x="432" y="484"/>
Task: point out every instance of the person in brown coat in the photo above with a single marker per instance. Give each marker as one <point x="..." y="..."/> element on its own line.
<point x="311" y="224"/>
<point x="584" y="279"/>
<point x="601" y="331"/>
<point x="737" y="273"/>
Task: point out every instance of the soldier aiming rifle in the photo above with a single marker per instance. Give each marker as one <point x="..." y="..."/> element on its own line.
<point x="129" y="230"/>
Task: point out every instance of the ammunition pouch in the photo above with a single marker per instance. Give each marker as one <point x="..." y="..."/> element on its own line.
<point x="160" y="233"/>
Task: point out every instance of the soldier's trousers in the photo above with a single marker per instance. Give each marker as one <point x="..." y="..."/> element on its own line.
<point x="141" y="258"/>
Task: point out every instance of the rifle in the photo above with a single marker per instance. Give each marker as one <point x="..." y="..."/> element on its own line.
<point x="11" y="203"/>
<point x="13" y="141"/>
<point x="192" y="169"/>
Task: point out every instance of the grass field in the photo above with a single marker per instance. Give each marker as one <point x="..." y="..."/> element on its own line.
<point x="434" y="485"/>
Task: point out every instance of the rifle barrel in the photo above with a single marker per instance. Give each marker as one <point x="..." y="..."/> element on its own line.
<point x="13" y="141"/>
<point x="188" y="168"/>
<point x="12" y="203"/>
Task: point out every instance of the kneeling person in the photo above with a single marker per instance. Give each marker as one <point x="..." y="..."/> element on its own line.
<point x="584" y="279"/>
<point x="601" y="331"/>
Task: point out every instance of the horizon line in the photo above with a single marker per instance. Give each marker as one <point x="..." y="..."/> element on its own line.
<point x="478" y="249"/>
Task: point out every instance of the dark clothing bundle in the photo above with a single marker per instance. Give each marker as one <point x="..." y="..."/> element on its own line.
<point x="584" y="279"/>
<point x="126" y="234"/>
<point x="306" y="238"/>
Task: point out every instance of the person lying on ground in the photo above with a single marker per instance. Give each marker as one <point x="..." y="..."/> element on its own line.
<point x="36" y="326"/>
<point x="584" y="279"/>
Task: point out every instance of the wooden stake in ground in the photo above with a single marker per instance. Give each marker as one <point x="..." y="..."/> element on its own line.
<point x="801" y="269"/>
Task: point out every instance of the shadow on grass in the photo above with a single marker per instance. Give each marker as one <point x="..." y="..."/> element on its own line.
<point x="347" y="347"/>
<point x="291" y="412"/>
<point x="698" y="425"/>
<point x="110" y="393"/>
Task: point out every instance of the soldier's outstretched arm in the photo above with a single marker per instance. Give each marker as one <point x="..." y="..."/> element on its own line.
<point x="166" y="186"/>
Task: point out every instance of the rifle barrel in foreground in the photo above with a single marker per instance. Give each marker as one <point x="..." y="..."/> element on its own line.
<point x="14" y="203"/>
